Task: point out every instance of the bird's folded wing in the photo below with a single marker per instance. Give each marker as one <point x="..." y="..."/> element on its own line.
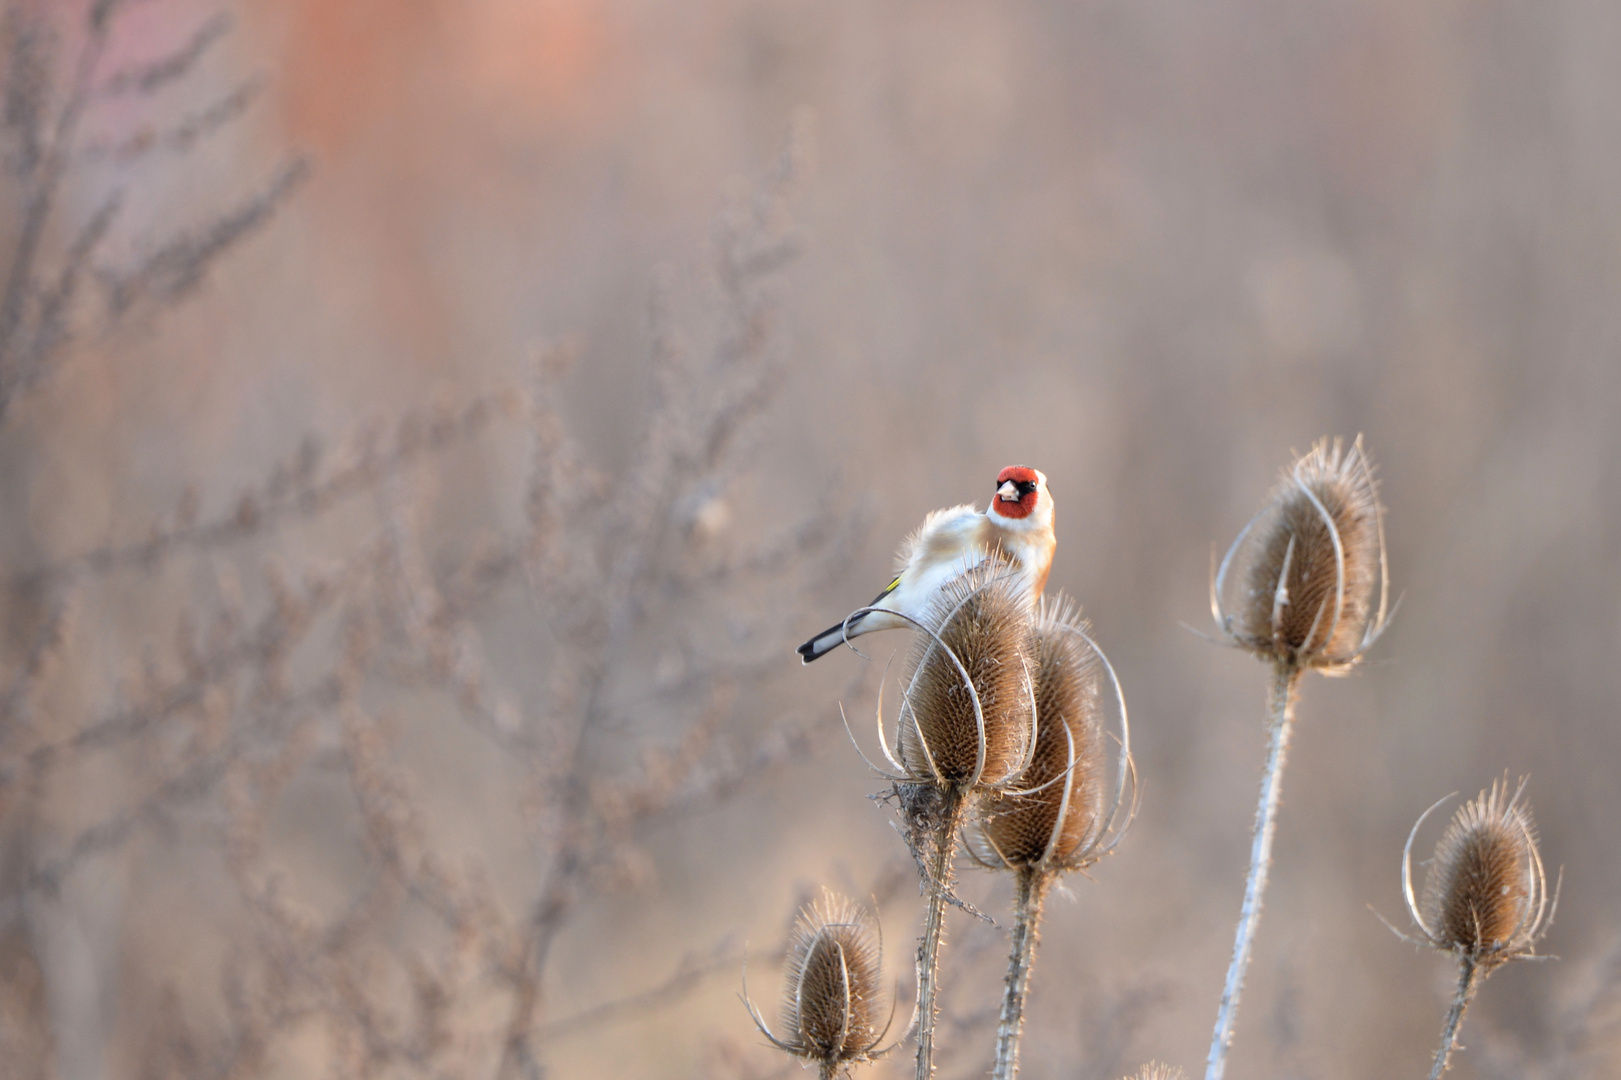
<point x="943" y="533"/>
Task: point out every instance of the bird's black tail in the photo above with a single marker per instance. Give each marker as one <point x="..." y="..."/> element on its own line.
<point x="829" y="639"/>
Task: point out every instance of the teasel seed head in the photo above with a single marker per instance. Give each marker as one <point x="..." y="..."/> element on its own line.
<point x="832" y="995"/>
<point x="1060" y="816"/>
<point x="1315" y="558"/>
<point x="954" y="736"/>
<point x="1486" y="894"/>
<point x="1156" y="1071"/>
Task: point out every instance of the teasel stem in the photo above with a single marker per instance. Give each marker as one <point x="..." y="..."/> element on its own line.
<point x="1030" y="894"/>
<point x="928" y="946"/>
<point x="1285" y="682"/>
<point x="1469" y="979"/>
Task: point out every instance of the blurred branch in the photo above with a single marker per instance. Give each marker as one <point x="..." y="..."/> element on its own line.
<point x="154" y="75"/>
<point x="261" y="647"/>
<point x="43" y="158"/>
<point x="292" y="491"/>
<point x="314" y="679"/>
<point x="181" y="136"/>
<point x="178" y="265"/>
<point x="40" y="318"/>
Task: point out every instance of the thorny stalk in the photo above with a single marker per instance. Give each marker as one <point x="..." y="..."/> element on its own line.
<point x="947" y="828"/>
<point x="1029" y="897"/>
<point x="1469" y="977"/>
<point x="1285" y="682"/>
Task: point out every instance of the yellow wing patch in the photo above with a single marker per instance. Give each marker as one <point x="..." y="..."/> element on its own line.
<point x="887" y="590"/>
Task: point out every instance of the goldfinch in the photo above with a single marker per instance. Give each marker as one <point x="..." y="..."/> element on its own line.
<point x="1019" y="523"/>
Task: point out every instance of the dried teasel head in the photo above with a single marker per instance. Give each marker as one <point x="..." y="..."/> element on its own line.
<point x="1486" y="893"/>
<point x="1315" y="557"/>
<point x="1061" y="817"/>
<point x="973" y="732"/>
<point x="1156" y="1071"/>
<point x="832" y="996"/>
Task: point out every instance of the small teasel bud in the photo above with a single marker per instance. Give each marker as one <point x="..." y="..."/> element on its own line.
<point x="982" y="620"/>
<point x="1485" y="899"/>
<point x="1058" y="817"/>
<point x="1486" y="892"/>
<point x="1156" y="1071"/>
<point x="831" y="993"/>
<point x="1313" y="562"/>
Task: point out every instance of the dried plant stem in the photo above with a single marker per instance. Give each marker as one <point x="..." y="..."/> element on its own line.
<point x="1285" y="681"/>
<point x="947" y="829"/>
<point x="1469" y="978"/>
<point x="1030" y="894"/>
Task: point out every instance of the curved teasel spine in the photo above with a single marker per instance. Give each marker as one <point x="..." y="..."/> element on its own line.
<point x="1064" y="815"/>
<point x="1310" y="562"/>
<point x="832" y="990"/>
<point x="974" y="732"/>
<point x="1485" y="899"/>
<point x="1312" y="558"/>
<point x="1067" y="811"/>
<point x="965" y="729"/>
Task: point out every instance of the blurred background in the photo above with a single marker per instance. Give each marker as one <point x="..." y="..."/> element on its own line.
<point x="411" y="502"/>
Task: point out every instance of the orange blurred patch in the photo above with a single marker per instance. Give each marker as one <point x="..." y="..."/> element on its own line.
<point x="347" y="65"/>
<point x="344" y="63"/>
<point x="541" y="59"/>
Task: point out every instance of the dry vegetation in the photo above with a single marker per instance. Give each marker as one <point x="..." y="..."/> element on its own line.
<point x="276" y="679"/>
<point x="340" y="736"/>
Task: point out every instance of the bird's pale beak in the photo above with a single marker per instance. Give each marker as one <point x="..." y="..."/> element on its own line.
<point x="1008" y="492"/>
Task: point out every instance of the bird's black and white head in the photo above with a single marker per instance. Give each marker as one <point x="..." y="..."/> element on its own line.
<point x="1022" y="502"/>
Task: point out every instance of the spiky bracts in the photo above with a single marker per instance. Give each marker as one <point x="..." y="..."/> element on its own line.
<point x="1059" y="816"/>
<point x="1485" y="899"/>
<point x="965" y="730"/>
<point x="1154" y="1070"/>
<point x="1486" y="892"/>
<point x="1311" y="561"/>
<point x="1055" y="817"/>
<point x="831" y="991"/>
<point x="972" y="733"/>
<point x="832" y="987"/>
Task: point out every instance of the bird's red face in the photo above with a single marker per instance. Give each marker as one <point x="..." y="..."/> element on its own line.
<point x="1017" y="489"/>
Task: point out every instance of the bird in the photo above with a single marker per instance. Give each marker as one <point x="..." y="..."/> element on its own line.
<point x="1018" y="523"/>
